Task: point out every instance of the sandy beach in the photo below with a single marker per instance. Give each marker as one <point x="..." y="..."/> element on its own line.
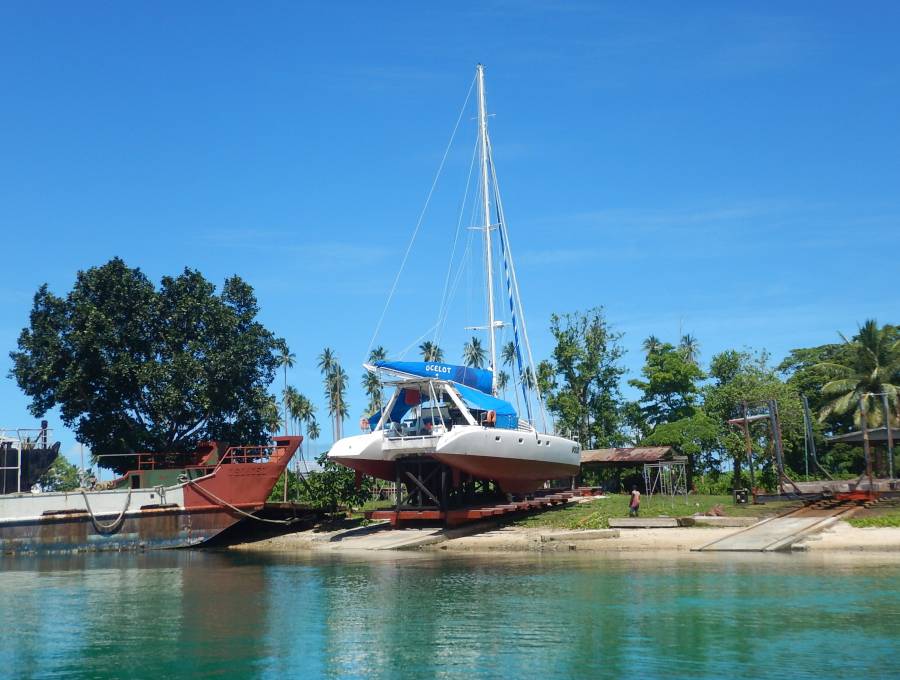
<point x="840" y="537"/>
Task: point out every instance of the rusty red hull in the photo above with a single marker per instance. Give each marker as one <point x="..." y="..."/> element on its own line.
<point x="148" y="530"/>
<point x="188" y="514"/>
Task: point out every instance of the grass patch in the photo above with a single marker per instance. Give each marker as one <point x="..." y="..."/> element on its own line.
<point x="877" y="517"/>
<point x="596" y="514"/>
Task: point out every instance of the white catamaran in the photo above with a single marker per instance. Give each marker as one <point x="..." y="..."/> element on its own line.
<point x="452" y="414"/>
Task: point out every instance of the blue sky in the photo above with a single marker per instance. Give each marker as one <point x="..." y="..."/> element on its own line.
<point x="725" y="170"/>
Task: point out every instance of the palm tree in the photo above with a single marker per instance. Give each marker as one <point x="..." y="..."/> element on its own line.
<point x="431" y="352"/>
<point x="502" y="382"/>
<point x="528" y="378"/>
<point x="336" y="391"/>
<point x="865" y="366"/>
<point x="373" y="389"/>
<point x="289" y="399"/>
<point x="286" y="359"/>
<point x="371" y="383"/>
<point x="312" y="428"/>
<point x="508" y="354"/>
<point x="301" y="409"/>
<point x="690" y="349"/>
<point x="474" y="354"/>
<point x="651" y="344"/>
<point x="271" y="417"/>
<point x="327" y="361"/>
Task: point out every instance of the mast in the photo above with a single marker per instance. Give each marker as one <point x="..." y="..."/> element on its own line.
<point x="486" y="201"/>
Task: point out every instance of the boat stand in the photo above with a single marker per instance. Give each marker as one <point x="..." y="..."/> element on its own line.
<point x="425" y="484"/>
<point x="429" y="491"/>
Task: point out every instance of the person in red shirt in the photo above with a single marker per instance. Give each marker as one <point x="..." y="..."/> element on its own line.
<point x="635" y="505"/>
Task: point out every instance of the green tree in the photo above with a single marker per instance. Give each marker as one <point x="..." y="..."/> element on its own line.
<point x="431" y="352"/>
<point x="582" y="380"/>
<point x="335" y="381"/>
<point x="740" y="378"/>
<point x="651" y="344"/>
<point x="474" y="354"/>
<point x="60" y="476"/>
<point x="696" y="436"/>
<point x="371" y="382"/>
<point x="334" y="485"/>
<point x="690" y="348"/>
<point x="336" y="392"/>
<point x="670" y="386"/>
<point x="502" y="382"/>
<point x="135" y="368"/>
<point x="286" y="360"/>
<point x="864" y="367"/>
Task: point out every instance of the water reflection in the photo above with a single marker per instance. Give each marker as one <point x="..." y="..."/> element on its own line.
<point x="425" y="615"/>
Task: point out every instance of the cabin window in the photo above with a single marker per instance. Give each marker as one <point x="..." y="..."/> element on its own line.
<point x="497" y="438"/>
<point x="521" y="441"/>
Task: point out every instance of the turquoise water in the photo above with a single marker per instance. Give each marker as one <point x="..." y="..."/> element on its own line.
<point x="196" y="614"/>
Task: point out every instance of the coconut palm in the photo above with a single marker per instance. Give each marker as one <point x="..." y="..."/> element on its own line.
<point x="286" y="359"/>
<point x="508" y="354"/>
<point x="528" y="378"/>
<point x="371" y="383"/>
<point x="651" y="344"/>
<point x="372" y="386"/>
<point x="312" y="428"/>
<point x="690" y="349"/>
<point x="289" y="399"/>
<point x="866" y="366"/>
<point x="301" y="409"/>
<point x="270" y="415"/>
<point x="474" y="354"/>
<point x="336" y="392"/>
<point x="327" y="361"/>
<point x="431" y="352"/>
<point x="502" y="382"/>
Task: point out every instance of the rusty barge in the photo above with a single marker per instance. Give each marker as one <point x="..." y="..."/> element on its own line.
<point x="167" y="501"/>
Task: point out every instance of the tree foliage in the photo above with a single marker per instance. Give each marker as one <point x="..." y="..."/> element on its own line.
<point x="861" y="370"/>
<point x="135" y="368"/>
<point x="474" y="354"/>
<point x="581" y="381"/>
<point x="60" y="476"/>
<point x="670" y="385"/>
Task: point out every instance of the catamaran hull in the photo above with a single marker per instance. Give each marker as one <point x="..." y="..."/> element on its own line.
<point x="520" y="462"/>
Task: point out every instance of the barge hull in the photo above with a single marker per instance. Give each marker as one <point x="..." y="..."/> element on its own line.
<point x="148" y="529"/>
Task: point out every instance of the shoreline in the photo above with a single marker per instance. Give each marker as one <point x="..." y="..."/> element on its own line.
<point x="841" y="537"/>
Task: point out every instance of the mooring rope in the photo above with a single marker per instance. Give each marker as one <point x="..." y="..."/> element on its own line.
<point x="207" y="492"/>
<point x="112" y="526"/>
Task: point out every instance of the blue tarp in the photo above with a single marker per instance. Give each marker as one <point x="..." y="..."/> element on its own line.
<point x="506" y="415"/>
<point x="478" y="378"/>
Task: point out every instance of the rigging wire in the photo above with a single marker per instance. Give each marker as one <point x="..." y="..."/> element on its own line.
<point x="421" y="218"/>
<point x="462" y="208"/>
<point x="515" y="285"/>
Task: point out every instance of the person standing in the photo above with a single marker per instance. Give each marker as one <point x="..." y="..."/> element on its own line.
<point x="635" y="505"/>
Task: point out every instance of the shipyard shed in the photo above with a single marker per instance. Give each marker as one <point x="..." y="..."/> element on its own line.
<point x="620" y="467"/>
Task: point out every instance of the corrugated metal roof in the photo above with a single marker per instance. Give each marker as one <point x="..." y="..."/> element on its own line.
<point x="635" y="455"/>
<point x="876" y="434"/>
